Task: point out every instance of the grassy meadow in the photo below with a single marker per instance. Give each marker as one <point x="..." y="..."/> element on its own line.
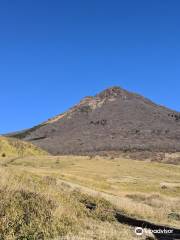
<point x="46" y="197"/>
<point x="37" y="206"/>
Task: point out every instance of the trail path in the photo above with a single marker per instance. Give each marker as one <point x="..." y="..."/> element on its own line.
<point x="125" y="219"/>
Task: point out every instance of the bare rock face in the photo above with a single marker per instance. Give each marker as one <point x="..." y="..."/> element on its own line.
<point x="113" y="120"/>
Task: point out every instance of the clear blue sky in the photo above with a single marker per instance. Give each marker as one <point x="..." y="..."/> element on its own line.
<point x="54" y="52"/>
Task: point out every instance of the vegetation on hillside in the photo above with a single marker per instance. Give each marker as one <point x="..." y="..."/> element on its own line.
<point x="147" y="190"/>
<point x="50" y="197"/>
<point x="37" y="207"/>
<point x="11" y="147"/>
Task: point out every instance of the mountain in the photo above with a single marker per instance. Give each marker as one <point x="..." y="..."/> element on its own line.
<point x="10" y="147"/>
<point x="112" y="120"/>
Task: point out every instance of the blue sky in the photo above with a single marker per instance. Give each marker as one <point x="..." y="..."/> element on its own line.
<point x="53" y="53"/>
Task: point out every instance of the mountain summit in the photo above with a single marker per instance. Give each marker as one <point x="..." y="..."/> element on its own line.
<point x="112" y="120"/>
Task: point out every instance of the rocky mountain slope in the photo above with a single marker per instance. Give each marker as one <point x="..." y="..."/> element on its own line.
<point x="113" y="120"/>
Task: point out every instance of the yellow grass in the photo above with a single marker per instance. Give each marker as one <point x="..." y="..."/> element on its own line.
<point x="35" y="206"/>
<point x="10" y="147"/>
<point x="146" y="190"/>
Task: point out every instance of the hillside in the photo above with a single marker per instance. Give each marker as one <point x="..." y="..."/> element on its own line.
<point x="73" y="197"/>
<point x="10" y="147"/>
<point x="38" y="207"/>
<point x="113" y="120"/>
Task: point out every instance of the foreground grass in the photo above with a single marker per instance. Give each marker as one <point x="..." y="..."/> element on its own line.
<point x="142" y="189"/>
<point x="46" y="197"/>
<point x="35" y="206"/>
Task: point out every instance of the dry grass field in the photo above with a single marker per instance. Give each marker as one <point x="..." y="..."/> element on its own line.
<point x="59" y="186"/>
<point x="11" y="147"/>
<point x="35" y="206"/>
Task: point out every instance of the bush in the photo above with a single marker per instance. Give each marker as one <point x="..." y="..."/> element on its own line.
<point x="96" y="207"/>
<point x="30" y="215"/>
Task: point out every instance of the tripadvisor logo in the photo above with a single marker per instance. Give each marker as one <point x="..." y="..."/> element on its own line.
<point x="139" y="231"/>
